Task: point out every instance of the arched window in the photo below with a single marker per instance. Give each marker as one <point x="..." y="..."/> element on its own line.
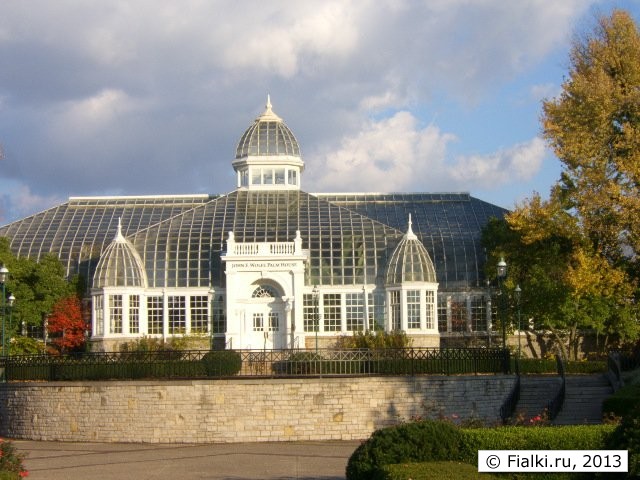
<point x="264" y="291"/>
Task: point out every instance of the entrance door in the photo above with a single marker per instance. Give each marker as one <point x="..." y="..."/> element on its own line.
<point x="268" y="318"/>
<point x="267" y="325"/>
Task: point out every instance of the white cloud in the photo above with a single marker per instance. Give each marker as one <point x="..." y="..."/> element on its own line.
<point x="515" y="164"/>
<point x="393" y="154"/>
<point x="396" y="154"/>
<point x="18" y="201"/>
<point x="162" y="89"/>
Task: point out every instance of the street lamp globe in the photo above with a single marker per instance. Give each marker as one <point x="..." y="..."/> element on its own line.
<point x="502" y="268"/>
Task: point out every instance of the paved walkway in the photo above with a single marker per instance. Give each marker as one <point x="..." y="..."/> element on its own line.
<point x="111" y="461"/>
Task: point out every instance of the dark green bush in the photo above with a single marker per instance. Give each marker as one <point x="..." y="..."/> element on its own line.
<point x="533" y="366"/>
<point x="126" y="370"/>
<point x="432" y="471"/>
<point x="439" y="441"/>
<point x="627" y="437"/>
<point x="570" y="437"/>
<point x="623" y="401"/>
<point x="374" y="340"/>
<point x="222" y="363"/>
<point x="410" y="442"/>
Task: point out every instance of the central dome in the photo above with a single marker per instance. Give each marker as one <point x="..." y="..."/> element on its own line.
<point x="268" y="136"/>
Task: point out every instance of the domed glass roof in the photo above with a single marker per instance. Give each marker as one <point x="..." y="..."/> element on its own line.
<point x="268" y="136"/>
<point x="410" y="262"/>
<point x="120" y="265"/>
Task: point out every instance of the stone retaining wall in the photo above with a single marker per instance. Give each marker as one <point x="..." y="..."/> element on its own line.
<point x="256" y="410"/>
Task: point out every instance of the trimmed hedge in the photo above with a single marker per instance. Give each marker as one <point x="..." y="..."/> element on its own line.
<point x="409" y="442"/>
<point x="569" y="437"/>
<point x="221" y="363"/>
<point x="534" y="366"/>
<point x="432" y="471"/>
<point x="432" y="440"/>
<point x="309" y="363"/>
<point x="623" y="401"/>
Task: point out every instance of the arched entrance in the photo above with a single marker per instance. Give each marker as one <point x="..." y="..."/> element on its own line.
<point x="266" y="317"/>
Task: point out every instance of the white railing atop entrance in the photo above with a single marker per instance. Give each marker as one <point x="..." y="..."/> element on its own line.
<point x="265" y="249"/>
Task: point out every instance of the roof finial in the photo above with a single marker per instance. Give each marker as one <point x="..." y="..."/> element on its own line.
<point x="268" y="114"/>
<point x="119" y="236"/>
<point x="410" y="235"/>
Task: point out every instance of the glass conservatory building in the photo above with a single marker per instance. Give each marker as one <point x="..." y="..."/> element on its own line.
<point x="269" y="265"/>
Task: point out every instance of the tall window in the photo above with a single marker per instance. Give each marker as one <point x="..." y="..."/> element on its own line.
<point x="442" y="314"/>
<point x="199" y="313"/>
<point x="331" y="310"/>
<point x="459" y="314"/>
<point x="376" y="310"/>
<point x="395" y="308"/>
<point x="413" y="309"/>
<point x="177" y="315"/>
<point x="478" y="314"/>
<point x="430" y="304"/>
<point x="154" y="315"/>
<point x="134" y="314"/>
<point x="274" y="322"/>
<point x="310" y="313"/>
<point x="293" y="178"/>
<point x="355" y="311"/>
<point x="258" y="322"/>
<point x="98" y="308"/>
<point x="115" y="313"/>
<point x="219" y="318"/>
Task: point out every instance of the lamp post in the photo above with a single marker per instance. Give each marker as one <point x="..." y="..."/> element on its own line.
<point x="518" y="292"/>
<point x="316" y="322"/>
<point x="4" y="275"/>
<point x="10" y="301"/>
<point x="501" y="274"/>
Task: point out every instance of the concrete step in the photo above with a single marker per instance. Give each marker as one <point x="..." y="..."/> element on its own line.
<point x="535" y="393"/>
<point x="583" y="400"/>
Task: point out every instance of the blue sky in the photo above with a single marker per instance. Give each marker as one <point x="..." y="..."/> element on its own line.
<point x="152" y="96"/>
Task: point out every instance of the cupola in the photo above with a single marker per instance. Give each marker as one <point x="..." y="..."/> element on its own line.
<point x="410" y="262"/>
<point x="120" y="265"/>
<point x="268" y="155"/>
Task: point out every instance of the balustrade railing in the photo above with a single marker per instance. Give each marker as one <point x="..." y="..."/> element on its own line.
<point x="252" y="363"/>
<point x="265" y="248"/>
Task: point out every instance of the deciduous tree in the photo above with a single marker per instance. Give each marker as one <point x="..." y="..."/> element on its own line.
<point x="66" y="325"/>
<point x="594" y="129"/>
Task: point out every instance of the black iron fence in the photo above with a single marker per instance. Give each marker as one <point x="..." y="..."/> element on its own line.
<point x="555" y="404"/>
<point x="254" y="363"/>
<point x="509" y="406"/>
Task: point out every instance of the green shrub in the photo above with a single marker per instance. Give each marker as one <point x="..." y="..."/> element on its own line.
<point x="11" y="466"/>
<point x="537" y="366"/>
<point x="431" y="471"/>
<point x="222" y="363"/>
<point x="410" y="442"/>
<point x="627" y="437"/>
<point x="436" y="441"/>
<point x="570" y="437"/>
<point x="623" y="401"/>
<point x="374" y="340"/>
